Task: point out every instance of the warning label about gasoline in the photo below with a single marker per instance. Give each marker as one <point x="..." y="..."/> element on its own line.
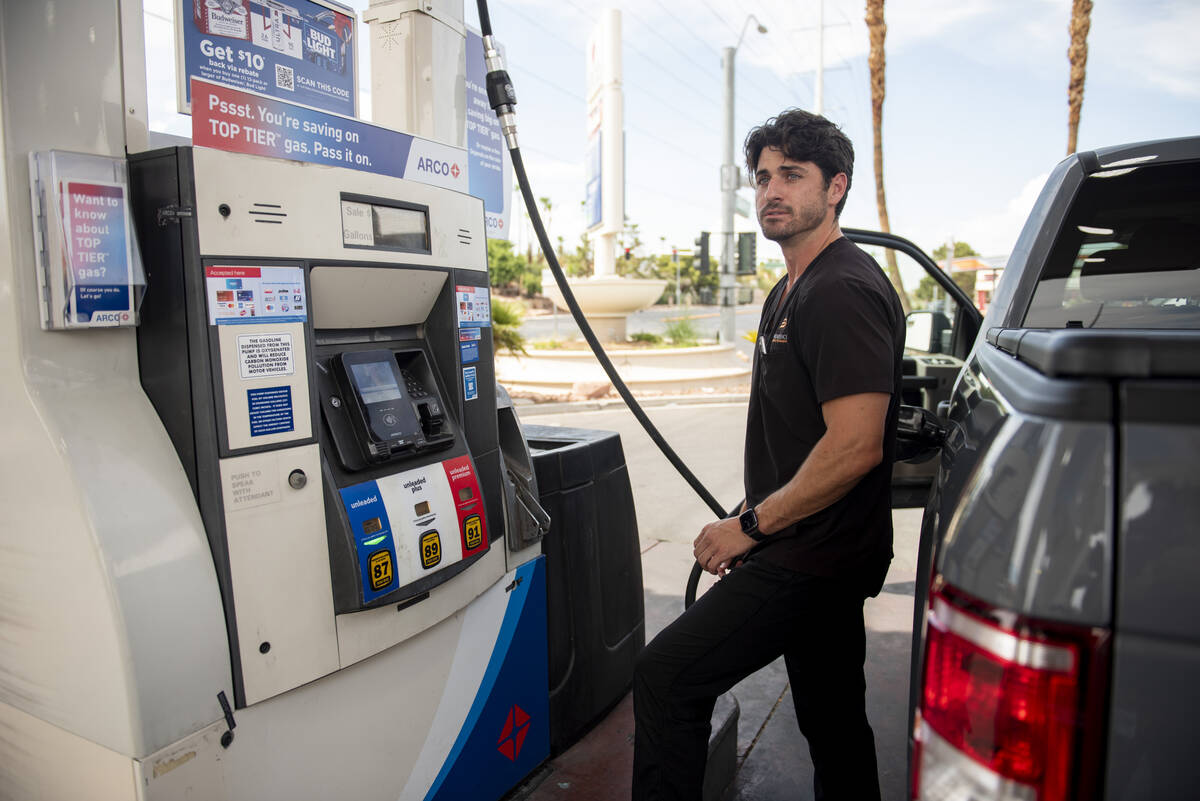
<point x="265" y="355"/>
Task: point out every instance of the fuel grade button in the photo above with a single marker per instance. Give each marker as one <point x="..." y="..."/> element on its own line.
<point x="431" y="549"/>
<point x="473" y="531"/>
<point x="380" y="569"/>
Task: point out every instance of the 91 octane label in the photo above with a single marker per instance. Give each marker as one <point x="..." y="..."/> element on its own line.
<point x="431" y="549"/>
<point x="473" y="532"/>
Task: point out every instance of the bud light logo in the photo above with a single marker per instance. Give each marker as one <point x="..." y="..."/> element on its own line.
<point x="320" y="43"/>
<point x="438" y="167"/>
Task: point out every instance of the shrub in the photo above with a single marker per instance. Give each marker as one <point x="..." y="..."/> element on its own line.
<point x="646" y="337"/>
<point x="506" y="327"/>
<point x="683" y="332"/>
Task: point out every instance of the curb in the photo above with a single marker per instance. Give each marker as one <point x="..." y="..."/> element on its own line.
<point x="527" y="408"/>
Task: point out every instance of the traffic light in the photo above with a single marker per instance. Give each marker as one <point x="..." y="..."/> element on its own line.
<point x="628" y="254"/>
<point x="702" y="262"/>
<point x="747" y="249"/>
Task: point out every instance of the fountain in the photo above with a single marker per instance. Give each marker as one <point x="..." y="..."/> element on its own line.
<point x="605" y="297"/>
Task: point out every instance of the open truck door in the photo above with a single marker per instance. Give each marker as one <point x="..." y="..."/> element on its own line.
<point x="938" y="339"/>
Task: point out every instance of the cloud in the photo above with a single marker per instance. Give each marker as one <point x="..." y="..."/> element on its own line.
<point x="994" y="232"/>
<point x="1150" y="43"/>
<point x="792" y="43"/>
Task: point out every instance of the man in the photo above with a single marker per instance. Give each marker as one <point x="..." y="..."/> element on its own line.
<point x="815" y="535"/>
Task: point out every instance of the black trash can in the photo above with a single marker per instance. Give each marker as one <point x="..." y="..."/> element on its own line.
<point x="595" y="611"/>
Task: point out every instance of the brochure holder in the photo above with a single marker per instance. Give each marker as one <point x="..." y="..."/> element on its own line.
<point x="89" y="267"/>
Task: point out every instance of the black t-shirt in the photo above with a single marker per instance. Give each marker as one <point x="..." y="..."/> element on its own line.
<point x="838" y="332"/>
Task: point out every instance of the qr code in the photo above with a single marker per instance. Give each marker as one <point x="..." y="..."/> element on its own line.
<point x="285" y="78"/>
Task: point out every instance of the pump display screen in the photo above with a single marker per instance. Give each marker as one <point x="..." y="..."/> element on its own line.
<point x="376" y="382"/>
<point x="385" y="227"/>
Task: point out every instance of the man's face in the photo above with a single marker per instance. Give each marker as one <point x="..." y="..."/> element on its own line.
<point x="791" y="195"/>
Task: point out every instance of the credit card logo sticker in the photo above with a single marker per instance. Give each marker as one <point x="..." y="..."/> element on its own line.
<point x="379" y="567"/>
<point x="473" y="531"/>
<point x="431" y="549"/>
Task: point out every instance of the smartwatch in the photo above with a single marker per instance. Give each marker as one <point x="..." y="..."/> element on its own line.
<point x="749" y="521"/>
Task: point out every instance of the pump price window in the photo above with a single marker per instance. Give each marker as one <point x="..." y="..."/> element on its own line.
<point x="376" y="225"/>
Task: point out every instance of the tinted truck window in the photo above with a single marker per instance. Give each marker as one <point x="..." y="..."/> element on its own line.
<point x="1128" y="255"/>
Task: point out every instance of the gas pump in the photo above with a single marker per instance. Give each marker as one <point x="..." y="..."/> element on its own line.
<point x="302" y="349"/>
<point x="272" y="530"/>
<point x="274" y="540"/>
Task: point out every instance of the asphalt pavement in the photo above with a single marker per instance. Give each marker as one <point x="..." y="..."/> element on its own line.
<point x="773" y="760"/>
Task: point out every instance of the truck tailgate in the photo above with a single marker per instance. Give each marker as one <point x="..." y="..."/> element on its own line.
<point x="1155" y="701"/>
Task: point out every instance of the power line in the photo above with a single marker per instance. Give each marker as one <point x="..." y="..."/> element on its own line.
<point x="583" y="102"/>
<point x="721" y="19"/>
<point x="537" y="77"/>
<point x="687" y="201"/>
<point x="665" y="39"/>
<point x="582" y="11"/>
<point x="662" y="69"/>
<point x="690" y="31"/>
<point x="537" y="24"/>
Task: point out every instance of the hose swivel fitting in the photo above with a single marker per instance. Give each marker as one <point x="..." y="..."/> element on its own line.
<point x="500" y="91"/>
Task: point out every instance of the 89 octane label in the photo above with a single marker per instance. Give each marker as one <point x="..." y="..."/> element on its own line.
<point x="431" y="549"/>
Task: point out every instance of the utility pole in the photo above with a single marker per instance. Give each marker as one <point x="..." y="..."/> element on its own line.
<point x="819" y="99"/>
<point x="730" y="181"/>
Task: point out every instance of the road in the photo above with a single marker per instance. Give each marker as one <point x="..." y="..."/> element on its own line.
<point x="774" y="762"/>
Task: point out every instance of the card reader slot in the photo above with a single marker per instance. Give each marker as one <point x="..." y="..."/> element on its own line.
<point x="381" y="405"/>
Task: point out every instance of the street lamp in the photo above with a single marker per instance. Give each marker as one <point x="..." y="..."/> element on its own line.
<point x="730" y="180"/>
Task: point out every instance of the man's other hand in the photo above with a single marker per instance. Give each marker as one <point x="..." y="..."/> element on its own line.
<point x="719" y="545"/>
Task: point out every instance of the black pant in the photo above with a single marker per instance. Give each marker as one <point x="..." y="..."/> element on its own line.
<point x="750" y="617"/>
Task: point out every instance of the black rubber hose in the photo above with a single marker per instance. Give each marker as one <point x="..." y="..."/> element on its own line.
<point x="502" y="103"/>
<point x="485" y="20"/>
<point x="590" y="336"/>
<point x="693" y="582"/>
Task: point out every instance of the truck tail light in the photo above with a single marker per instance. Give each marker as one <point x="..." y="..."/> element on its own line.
<point x="1003" y="706"/>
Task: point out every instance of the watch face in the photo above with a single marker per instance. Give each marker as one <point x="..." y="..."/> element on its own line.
<point x="749" y="521"/>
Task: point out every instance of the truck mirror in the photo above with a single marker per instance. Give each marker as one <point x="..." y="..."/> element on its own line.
<point x="926" y="331"/>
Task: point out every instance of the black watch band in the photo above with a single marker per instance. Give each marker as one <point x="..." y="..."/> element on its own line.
<point x="749" y="521"/>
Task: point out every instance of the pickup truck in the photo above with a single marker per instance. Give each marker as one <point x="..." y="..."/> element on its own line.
<point x="1054" y="653"/>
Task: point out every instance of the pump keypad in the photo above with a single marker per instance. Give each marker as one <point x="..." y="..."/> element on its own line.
<point x="416" y="390"/>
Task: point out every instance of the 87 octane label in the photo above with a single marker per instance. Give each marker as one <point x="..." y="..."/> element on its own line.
<point x="379" y="567"/>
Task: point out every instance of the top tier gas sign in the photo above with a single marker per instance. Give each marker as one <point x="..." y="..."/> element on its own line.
<point x="301" y="51"/>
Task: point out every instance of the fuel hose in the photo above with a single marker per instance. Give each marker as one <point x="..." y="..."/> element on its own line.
<point x="503" y="99"/>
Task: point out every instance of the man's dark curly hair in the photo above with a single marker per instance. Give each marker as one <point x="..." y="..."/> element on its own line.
<point x="804" y="136"/>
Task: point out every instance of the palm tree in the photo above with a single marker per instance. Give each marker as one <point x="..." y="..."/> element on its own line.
<point x="1081" y="22"/>
<point x="547" y="207"/>
<point x="878" y="30"/>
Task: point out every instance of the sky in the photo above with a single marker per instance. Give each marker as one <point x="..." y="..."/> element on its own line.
<point x="974" y="119"/>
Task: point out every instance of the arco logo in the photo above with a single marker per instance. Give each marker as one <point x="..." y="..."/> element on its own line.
<point x="512" y="736"/>
<point x="110" y="317"/>
<point x="437" y="167"/>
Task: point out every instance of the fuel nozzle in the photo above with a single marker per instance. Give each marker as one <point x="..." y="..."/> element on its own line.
<point x="500" y="91"/>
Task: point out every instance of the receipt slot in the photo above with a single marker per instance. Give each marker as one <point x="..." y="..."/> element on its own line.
<point x="317" y="344"/>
